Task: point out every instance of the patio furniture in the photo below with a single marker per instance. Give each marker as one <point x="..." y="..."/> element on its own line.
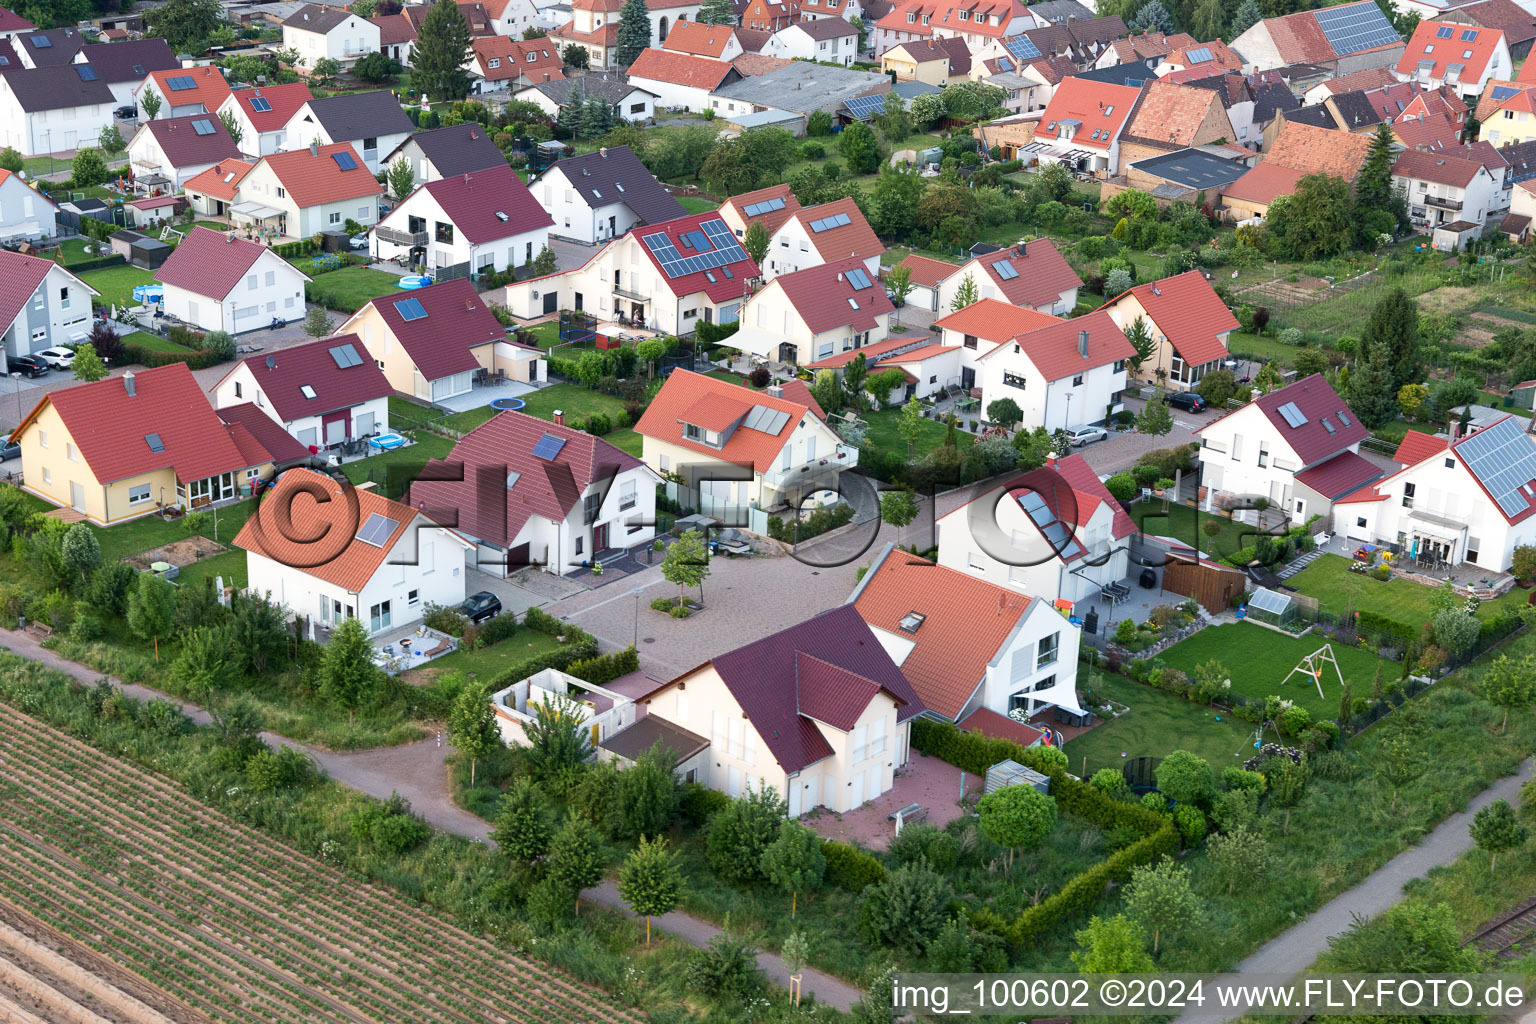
<point x="909" y="814"/>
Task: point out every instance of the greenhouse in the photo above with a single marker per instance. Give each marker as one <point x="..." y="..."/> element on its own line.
<point x="1272" y="608"/>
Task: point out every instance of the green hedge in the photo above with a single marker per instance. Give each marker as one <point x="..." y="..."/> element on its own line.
<point x="849" y="867"/>
<point x="579" y="646"/>
<point x="293" y="250"/>
<point x="86" y="266"/>
<point x="1372" y="622"/>
<point x="605" y="668"/>
<point x="154" y="357"/>
<point x="975" y="753"/>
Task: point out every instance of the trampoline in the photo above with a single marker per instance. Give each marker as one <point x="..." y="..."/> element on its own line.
<point x="578" y="328"/>
<point x="414" y="281"/>
<point x="506" y="404"/>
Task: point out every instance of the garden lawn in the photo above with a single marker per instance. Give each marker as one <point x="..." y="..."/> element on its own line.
<point x="405" y="414"/>
<point x="116" y="284"/>
<point x="211" y="225"/>
<point x="393" y="471"/>
<point x="1157" y="724"/>
<point x="230" y="565"/>
<point x="694" y="204"/>
<point x="1241" y="343"/>
<point x="147" y="532"/>
<point x="626" y="440"/>
<point x="1182" y="522"/>
<point x="883" y="433"/>
<point x="546" y="335"/>
<point x="574" y="400"/>
<point x="488" y="662"/>
<point x="349" y="289"/>
<point x="1258" y="659"/>
<point x="467" y="420"/>
<point x="1339" y="591"/>
<point x="154" y="343"/>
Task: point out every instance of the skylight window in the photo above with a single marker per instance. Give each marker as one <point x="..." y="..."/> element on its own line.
<point x="501" y="215"/>
<point x="306" y="391"/>
<point x="1109" y="110"/>
<point x="910" y="622"/>
<point x="1444" y="32"/>
<point x="852" y="304"/>
<point x="154" y="442"/>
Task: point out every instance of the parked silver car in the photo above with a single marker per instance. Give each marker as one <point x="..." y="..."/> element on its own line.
<point x="1087" y="435"/>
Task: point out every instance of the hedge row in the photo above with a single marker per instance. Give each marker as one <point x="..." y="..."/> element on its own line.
<point x="975" y="753"/>
<point x="86" y="266"/>
<point x="579" y="646"/>
<point x="849" y="867"/>
<point x="1372" y="622"/>
<point x="150" y="357"/>
<point x="605" y="668"/>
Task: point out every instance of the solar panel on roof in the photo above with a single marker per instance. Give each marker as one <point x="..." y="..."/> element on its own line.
<point x="260" y="104"/>
<point x="1005" y="270"/>
<point x="1503" y="92"/>
<point x="180" y="83"/>
<point x="154" y="442"/>
<point x="862" y="108"/>
<point x="5" y="62"/>
<point x="766" y="206"/>
<point x="345" y="356"/>
<point x="724" y="249"/>
<point x="765" y="420"/>
<point x="1022" y="49"/>
<point x="41" y="42"/>
<point x="1355" y="27"/>
<point x="1199" y="55"/>
<point x="344" y="161"/>
<point x="548" y="447"/>
<point x="410" y="309"/>
<point x="376" y="530"/>
<point x="86" y="72"/>
<point x="1443" y="32"/>
<point x="837" y="220"/>
<point x="1293" y="415"/>
<point x="1504" y="460"/>
<point x="203" y="126"/>
<point x="858" y="278"/>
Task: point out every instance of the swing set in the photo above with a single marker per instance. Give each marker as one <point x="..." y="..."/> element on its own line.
<point x="1311" y="666"/>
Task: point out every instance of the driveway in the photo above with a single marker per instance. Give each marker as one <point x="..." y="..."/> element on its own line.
<point x="513" y="597"/>
<point x="1123" y="449"/>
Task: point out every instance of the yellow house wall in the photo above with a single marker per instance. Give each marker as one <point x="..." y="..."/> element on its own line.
<point x="49" y="473"/>
<point x="380" y="342"/>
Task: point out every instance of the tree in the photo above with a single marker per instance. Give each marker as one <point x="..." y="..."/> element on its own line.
<point x="472" y="724"/>
<point x="894" y="122"/>
<point x="1017" y="817"/>
<point x="1455" y="629"/>
<point x="1410" y="398"/>
<point x="521" y="828"/>
<point x="881" y="384"/>
<point x="898" y="507"/>
<point x="1241" y="855"/>
<point x="1115" y="945"/>
<point x="1132" y="203"/>
<point x="546" y="262"/>
<point x="231" y="125"/>
<point x="1288" y="781"/>
<point x="89" y="167"/>
<point x="1411" y="937"/>
<point x="364" y="8"/>
<point x="855" y="373"/>
<point x="1139" y="334"/>
<point x="686" y="563"/>
<point x="650" y="881"/>
<point x="1160" y="898"/>
<point x="756" y="242"/>
<point x="348" y="676"/>
<point x="651" y="349"/>
<point x="185" y="24"/>
<point x="861" y="149"/>
<point x="12" y="160"/>
<point x="645" y="797"/>
<point x="87" y="364"/>
<point x="741" y="831"/>
<point x="1005" y="412"/>
<point x="1155" y="417"/>
<point x="899" y="283"/>
<point x="896" y="196"/>
<point x="557" y="738"/>
<point x="401" y="179"/>
<point x="111" y="141"/>
<point x="1185" y="778"/>
<point x="717" y="12"/>
<point x="1217" y="387"/>
<point x="1209" y="19"/>
<point x="151" y="608"/>
<point x="200" y="666"/>
<point x="1509" y="683"/>
<point x="316" y="323"/>
<point x="910" y="425"/>
<point x="1246" y="16"/>
<point x="1371" y="394"/>
<point x="1398" y="762"/>
<point x="795" y="951"/>
<point x="1392" y="334"/>
<point x="1152" y="17"/>
<point x="221" y="344"/>
<point x="1494" y="830"/>
<point x="376" y="67"/>
<point x="794" y="861"/>
<point x="1373" y="187"/>
<point x="965" y="295"/>
<point x="1316" y="221"/>
<point x="80" y="550"/>
<point x="576" y="56"/>
<point x="908" y="910"/>
<point x="149" y="104"/>
<point x="441" y="52"/>
<point x="634" y="32"/>
<point x="576" y="856"/>
<point x="327" y="68"/>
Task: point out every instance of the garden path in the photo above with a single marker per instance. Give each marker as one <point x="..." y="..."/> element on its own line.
<point x="417" y="772"/>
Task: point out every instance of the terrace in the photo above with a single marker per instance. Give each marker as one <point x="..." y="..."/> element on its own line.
<point x="603" y="711"/>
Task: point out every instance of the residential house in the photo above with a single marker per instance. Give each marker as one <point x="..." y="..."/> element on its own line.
<point x="1356" y="81"/>
<point x="262" y="115"/>
<point x="1249" y="197"/>
<point x="1457" y="499"/>
<point x="1200" y="60"/>
<point x="799" y="87"/>
<point x="213" y="192"/>
<point x="498" y="64"/>
<point x="927" y="276"/>
<point x="42" y="305"/>
<point x="25" y="213"/>
<point x="1442" y="53"/>
<point x="1147" y="50"/>
<point x="1445" y="187"/>
<point x="1187" y="320"/>
<point x="822" y="39"/>
<point x="1171" y="117"/>
<point x="1180" y="176"/>
<point x="1054" y="533"/>
<point x="446" y="152"/>
<point x="322" y="394"/>
<point x="219" y="282"/>
<point x="482" y="220"/>
<point x="697" y="39"/>
<point x="977" y="24"/>
<point x="311" y="189"/>
<point x="815" y="313"/>
<point x="595" y="25"/>
<point x="599" y="196"/>
<point x="770" y="207"/>
<point x="123" y="65"/>
<point x="681" y="81"/>
<point x="930" y="60"/>
<point x="1512" y="119"/>
<point x="530" y="492"/>
<point x="180" y="148"/>
<point x="818" y="713"/>
<point x="820" y="234"/>
<point x="769" y="15"/>
<point x="737" y="447"/>
<point x="1030" y="275"/>
<point x="475" y="15"/>
<point x="672" y="276"/>
<point x="13" y="24"/>
<point x="628" y="102"/>
<point x="432" y="342"/>
<point x="1517" y="24"/>
<point x="48" y="48"/>
<point x="395" y="563"/>
<point x="125" y="447"/>
<point x="183" y="91"/>
<point x="977" y="654"/>
<point x="1298" y="150"/>
<point x="372" y="122"/>
<point x="1060" y="373"/>
<point x="397" y="36"/>
<point x="52" y="110"/>
<point x="1298" y="448"/>
<point x="511" y="18"/>
<point x="1343" y="39"/>
<point x="1081" y="126"/>
<point x="318" y="32"/>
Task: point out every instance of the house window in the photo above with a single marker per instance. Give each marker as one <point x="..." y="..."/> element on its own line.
<point x="1119" y="365"/>
<point x="876" y="737"/>
<point x="239" y="390"/>
<point x="42" y="438"/>
<point x="1263" y="454"/>
<point x="1408" y="490"/>
<point x="71" y="452"/>
<point x="444" y="232"/>
<point x="692" y="432"/>
<point x="271" y="278"/>
<point x="63" y="298"/>
<point x="1013" y="380"/>
<point x="970" y="341"/>
<point x="580" y="541"/>
<point x="250" y="279"/>
<point x="592" y="504"/>
<point x="637" y="108"/>
<point x="494" y="62"/>
<point x="335" y="218"/>
<point x="1077" y="381"/>
<point x="379" y="617"/>
<point x="47" y="476"/>
<point x="627" y="495"/>
<point x="1360" y="522"/>
<point x="1450" y="463"/>
<point x="1046" y="652"/>
<point x="138" y="494"/>
<point x="370" y="144"/>
<point x="413" y="597"/>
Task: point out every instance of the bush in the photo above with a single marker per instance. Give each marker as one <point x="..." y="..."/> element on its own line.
<point x="812" y="151"/>
<point x="727" y="966"/>
<point x="921" y="841"/>
<point x="605" y="668"/>
<point x="448" y="620"/>
<point x="699" y="803"/>
<point x="495" y="630"/>
<point x="1122" y="486"/>
<point x="908" y="909"/>
<point x="849" y="867"/>
<point x="1191" y="824"/>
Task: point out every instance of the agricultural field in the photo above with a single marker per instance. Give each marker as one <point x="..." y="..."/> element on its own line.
<point x="220" y="920"/>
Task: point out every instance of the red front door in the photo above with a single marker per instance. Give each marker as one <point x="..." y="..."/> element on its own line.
<point x="599" y="538"/>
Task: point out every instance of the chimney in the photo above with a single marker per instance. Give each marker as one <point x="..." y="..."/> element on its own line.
<point x="1455" y="425"/>
<point x="559" y="417"/>
<point x="128" y="383"/>
<point x="1050" y="460"/>
<point x="775" y="391"/>
<point x="603" y="152"/>
<point x="314" y="149"/>
<point x="1082" y="344"/>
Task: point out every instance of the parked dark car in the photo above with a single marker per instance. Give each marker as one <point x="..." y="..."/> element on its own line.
<point x="479" y="607"/>
<point x="1188" y="401"/>
<point x="28" y="365"/>
<point x="9" y="450"/>
<point x="127" y="113"/>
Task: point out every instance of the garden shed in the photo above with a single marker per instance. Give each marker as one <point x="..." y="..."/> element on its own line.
<point x="1011" y="773"/>
<point x="1272" y="608"/>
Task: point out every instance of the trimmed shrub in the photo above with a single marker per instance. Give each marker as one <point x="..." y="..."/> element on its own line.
<point x="698" y="804"/>
<point x="849" y="867"/>
<point x="605" y="668"/>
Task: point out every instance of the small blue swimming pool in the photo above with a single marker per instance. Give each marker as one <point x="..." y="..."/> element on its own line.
<point x="504" y="404"/>
<point x="414" y="281"/>
<point x="386" y="442"/>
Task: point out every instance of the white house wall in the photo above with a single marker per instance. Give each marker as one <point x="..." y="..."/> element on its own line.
<point x="25" y="213"/>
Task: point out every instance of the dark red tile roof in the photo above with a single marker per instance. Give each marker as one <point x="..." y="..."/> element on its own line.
<point x="990" y="723"/>
<point x="282" y="376"/>
<point x="19" y="277"/>
<point x="1091" y="493"/>
<point x="280" y="446"/>
<point x="457" y="320"/>
<point x="1317" y="400"/>
<point x="825" y="298"/>
<point x="10" y="21"/>
<point x="209" y="263"/>
<point x="490" y="204"/>
<point x="468" y="490"/>
<point x="1340" y="475"/>
<point x="184" y="147"/>
<point x="723" y="288"/>
<point x="1043" y="273"/>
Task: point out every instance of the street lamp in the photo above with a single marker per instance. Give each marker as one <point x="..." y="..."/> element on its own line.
<point x="637" y="592"/>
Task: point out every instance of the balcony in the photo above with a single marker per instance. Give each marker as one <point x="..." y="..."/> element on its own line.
<point x="398" y="237"/>
<point x="1440" y="201"/>
<point x="630" y="293"/>
<point x="846" y="457"/>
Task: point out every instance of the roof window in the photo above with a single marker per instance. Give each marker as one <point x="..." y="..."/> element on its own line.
<point x="911" y="621"/>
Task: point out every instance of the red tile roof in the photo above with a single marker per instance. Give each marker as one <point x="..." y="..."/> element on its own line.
<point x="719" y="285"/>
<point x="110" y="427"/>
<point x="394" y="29"/>
<point x="994" y="320"/>
<point x="1053" y="347"/>
<point x="1299" y="38"/>
<point x="990" y="723"/>
<point x="1220" y="56"/>
<point x="699" y="39"/>
<point x="1340" y="475"/>
<point x="1091" y="493"/>
<point x="796" y="390"/>
<point x="457" y="321"/>
<point x="917" y="355"/>
<point x="1438" y="53"/>
<point x="457" y="491"/>
<point x="1043" y="273"/>
<point x="753" y="65"/>
<point x="774" y="219"/>
<point x="1369" y="78"/>
<point x="488" y="205"/>
<point x="1189" y="313"/>
<point x="681" y="397"/>
<point x="1171" y="115"/>
<point x="1264" y="183"/>
<point x="1429" y="132"/>
<point x="209" y="263"/>
<point x="856" y="238"/>
<point x="981" y="18"/>
<point x="1099" y="108"/>
<point x="313" y="178"/>
<point x="929" y="273"/>
<point x="283" y="375"/>
<point x="966" y="622"/>
<point x="285" y="101"/>
<point x="212" y="182"/>
<point x="536" y="59"/>
<point x="833" y="695"/>
<point x="1417" y="446"/>
<point x="183" y="146"/>
<point x="304" y="503"/>
<point x="825" y="298"/>
<point x="1314" y="150"/>
<point x="209" y="87"/>
<point x="1051" y="70"/>
<point x="682" y="69"/>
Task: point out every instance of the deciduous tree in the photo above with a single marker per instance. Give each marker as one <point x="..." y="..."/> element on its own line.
<point x="557" y="738"/>
<point x="151" y="609"/>
<point x="87" y="364"/>
<point x="111" y="141"/>
<point x="401" y="178"/>
<point x="1114" y="945"/>
<point x="1509" y="683"/>
<point x="739" y="833"/>
<point x="348" y="676"/>
<point x="650" y="881"/>
<point x="965" y="295"/>
<point x="1155" y="417"/>
<point x="522" y="829"/>
<point x="317" y="324"/>
<point x="898" y="507"/>
<point x="861" y="149"/>
<point x="88" y="168"/>
<point x="1495" y="829"/>
<point x="686" y="563"/>
<point x="576" y="856"/>
<point x="1159" y="896"/>
<point x="150" y="104"/>
<point x="756" y="242"/>
<point x="231" y="125"/>
<point x="1239" y="856"/>
<point x="472" y="724"/>
<point x="1017" y="817"/>
<point x="1005" y="412"/>
<point x="80" y="550"/>
<point x="794" y="861"/>
<point x="1139" y="334"/>
<point x="185" y="23"/>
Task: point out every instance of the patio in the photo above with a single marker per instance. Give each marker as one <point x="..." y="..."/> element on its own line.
<point x="618" y="563"/>
<point x="1467" y="577"/>
<point x="408" y="647"/>
<point x="485" y="390"/>
<point x="934" y="784"/>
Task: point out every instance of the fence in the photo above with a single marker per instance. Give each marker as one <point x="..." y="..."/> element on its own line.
<point x="1339" y="307"/>
<point x="729" y="513"/>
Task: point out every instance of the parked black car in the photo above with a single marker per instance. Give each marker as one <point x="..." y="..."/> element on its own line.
<point x="479" y="607"/>
<point x="126" y="113"/>
<point x="1187" y="400"/>
<point x="29" y="366"/>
